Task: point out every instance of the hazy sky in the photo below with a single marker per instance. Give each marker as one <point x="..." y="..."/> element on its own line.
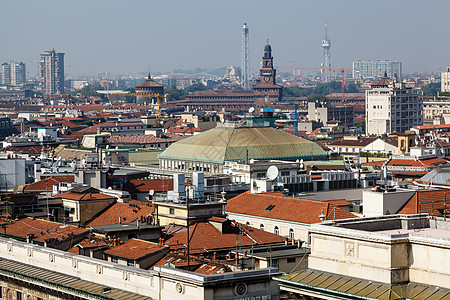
<point x="128" y="36"/>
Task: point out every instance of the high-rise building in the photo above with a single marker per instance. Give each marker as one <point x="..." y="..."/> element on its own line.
<point x="13" y="74"/>
<point x="445" y="81"/>
<point x="52" y="72"/>
<point x="363" y="69"/>
<point x="391" y="107"/>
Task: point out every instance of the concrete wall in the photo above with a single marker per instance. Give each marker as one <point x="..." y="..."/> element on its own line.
<point x="300" y="229"/>
<point x="385" y="257"/>
<point x="377" y="258"/>
<point x="378" y="203"/>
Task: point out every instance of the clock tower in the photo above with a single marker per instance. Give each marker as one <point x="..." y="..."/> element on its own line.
<point x="267" y="73"/>
<point x="266" y="90"/>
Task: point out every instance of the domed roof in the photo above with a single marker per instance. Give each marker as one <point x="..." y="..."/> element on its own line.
<point x="149" y="82"/>
<point x="267" y="47"/>
<point x="230" y="144"/>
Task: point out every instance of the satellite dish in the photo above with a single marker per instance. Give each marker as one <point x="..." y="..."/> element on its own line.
<point x="272" y="173"/>
<point x="251" y="110"/>
<point x="151" y="192"/>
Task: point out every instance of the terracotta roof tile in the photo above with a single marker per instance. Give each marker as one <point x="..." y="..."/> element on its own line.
<point x="136" y="249"/>
<point x="205" y="237"/>
<point x="88" y="196"/>
<point x="284" y="208"/>
<point x="43" y="230"/>
<point x="430" y="202"/>
<point x="144" y="139"/>
<point x="128" y="212"/>
<point x="46" y="184"/>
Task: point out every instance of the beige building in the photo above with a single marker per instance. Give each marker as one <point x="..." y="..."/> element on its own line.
<point x="393" y="257"/>
<point x="391" y="107"/>
<point x="34" y="272"/>
<point x="445" y="81"/>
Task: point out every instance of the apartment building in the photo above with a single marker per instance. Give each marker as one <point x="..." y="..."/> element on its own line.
<point x="52" y="72"/>
<point x="391" y="107"/>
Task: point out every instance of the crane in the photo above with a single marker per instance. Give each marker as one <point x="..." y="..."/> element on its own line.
<point x="296" y="118"/>
<point x="342" y="70"/>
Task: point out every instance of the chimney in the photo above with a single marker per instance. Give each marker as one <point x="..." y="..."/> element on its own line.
<point x="120" y="220"/>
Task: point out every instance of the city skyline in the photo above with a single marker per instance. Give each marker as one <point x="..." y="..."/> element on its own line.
<point x="104" y="36"/>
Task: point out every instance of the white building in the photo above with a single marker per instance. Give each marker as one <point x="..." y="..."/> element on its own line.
<point x="391" y="107"/>
<point x="13" y="74"/>
<point x="52" y="72"/>
<point x="445" y="81"/>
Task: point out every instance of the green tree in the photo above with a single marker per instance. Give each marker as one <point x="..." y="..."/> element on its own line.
<point x="431" y="89"/>
<point x="361" y="124"/>
<point x="90" y="90"/>
<point x="175" y="94"/>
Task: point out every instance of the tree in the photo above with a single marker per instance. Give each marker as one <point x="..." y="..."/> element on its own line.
<point x="175" y="94"/>
<point x="361" y="124"/>
<point x="90" y="90"/>
<point x="431" y="89"/>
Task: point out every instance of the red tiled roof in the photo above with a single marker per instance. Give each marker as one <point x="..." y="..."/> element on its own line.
<point x="136" y="249"/>
<point x="439" y="126"/>
<point x="195" y="264"/>
<point x="287" y="209"/>
<point x="360" y="142"/>
<point x="144" y="139"/>
<point x="429" y="202"/>
<point x="184" y="129"/>
<point x="431" y="162"/>
<point x="205" y="237"/>
<point x="338" y="202"/>
<point x="24" y="149"/>
<point x="45" y="184"/>
<point x="43" y="230"/>
<point x="84" y="197"/>
<point x="128" y="212"/>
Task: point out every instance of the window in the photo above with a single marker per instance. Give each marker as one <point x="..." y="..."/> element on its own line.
<point x="276" y="230"/>
<point x="291" y="233"/>
<point x="172" y="211"/>
<point x="130" y="263"/>
<point x="19" y="295"/>
<point x="114" y="260"/>
<point x="285" y="173"/>
<point x="273" y="263"/>
<point x="261" y="226"/>
<point x="291" y="260"/>
<point x="270" y="207"/>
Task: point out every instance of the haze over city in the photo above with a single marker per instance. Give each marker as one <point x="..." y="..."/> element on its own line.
<point x="135" y="36"/>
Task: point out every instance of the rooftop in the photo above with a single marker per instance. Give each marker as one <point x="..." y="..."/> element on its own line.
<point x="136" y="249"/>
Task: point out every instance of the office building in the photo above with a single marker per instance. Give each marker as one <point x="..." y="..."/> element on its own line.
<point x="52" y="72"/>
<point x="13" y="74"/>
<point x="364" y="69"/>
<point x="445" y="81"/>
<point x="391" y="107"/>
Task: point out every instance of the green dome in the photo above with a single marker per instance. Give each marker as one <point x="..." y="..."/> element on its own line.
<point x="225" y="143"/>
